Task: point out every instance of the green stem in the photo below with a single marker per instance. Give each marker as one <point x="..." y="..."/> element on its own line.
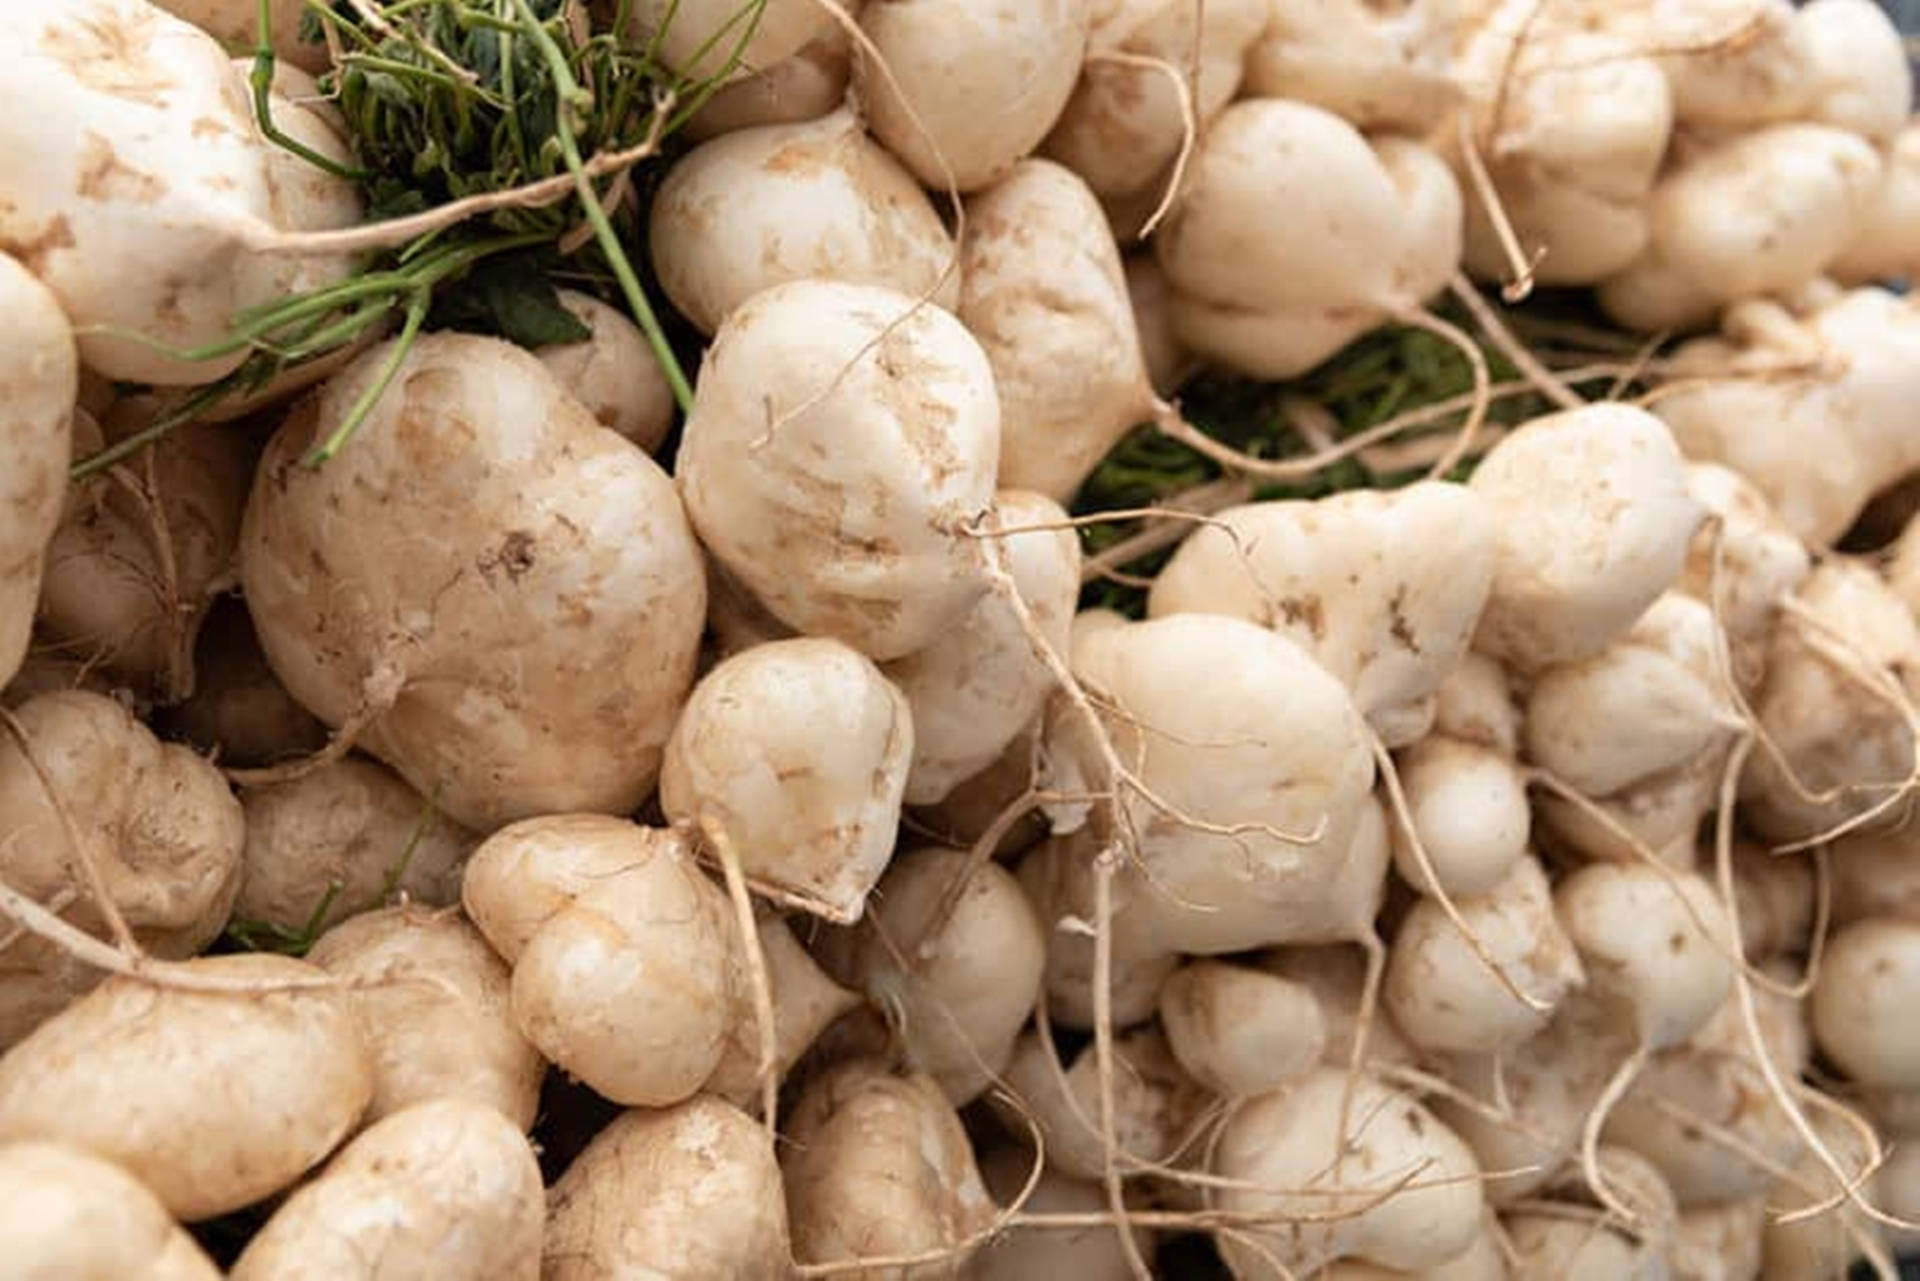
<point x="186" y="411"/>
<point x="492" y="23"/>
<point x="253" y="330"/>
<point x="426" y="48"/>
<point x="319" y="339"/>
<point x="372" y="62"/>
<point x="270" y="936"/>
<point x="364" y="403"/>
<point x="569" y="91"/>
<point x="752" y="13"/>
<point x="397" y="872"/>
<point x="261" y="78"/>
<point x="513" y="102"/>
<point x="718" y="81"/>
<point x="250" y="333"/>
<point x="415" y="284"/>
<point x="310" y="932"/>
<point x="345" y="31"/>
<point x="652" y="50"/>
<point x="254" y="325"/>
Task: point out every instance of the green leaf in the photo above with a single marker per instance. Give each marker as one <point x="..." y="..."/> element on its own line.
<point x="526" y="308"/>
<point x="513" y="299"/>
<point x="388" y="198"/>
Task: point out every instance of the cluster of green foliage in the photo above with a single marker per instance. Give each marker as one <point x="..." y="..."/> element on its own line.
<point x="1380" y="375"/>
<point x="445" y="100"/>
<point x="1388" y="372"/>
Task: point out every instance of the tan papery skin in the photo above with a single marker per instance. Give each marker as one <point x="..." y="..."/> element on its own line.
<point x="804" y="86"/>
<point x="237" y="22"/>
<point x="139" y="214"/>
<point x="157" y="821"/>
<point x="1153" y="1100"/>
<point x="436" y="1009"/>
<point x="515" y="585"/>
<point x="796" y="754"/>
<point x="815" y="200"/>
<point x="687" y="1193"/>
<point x="1043" y="290"/>
<point x="212" y="1099"/>
<point x="1846" y="742"/>
<point x="960" y="983"/>
<point x="980" y="686"/>
<point x="1383" y="589"/>
<point x="1374" y="230"/>
<point x="614" y="372"/>
<point x="698" y="36"/>
<point x="1287" y="1139"/>
<point x="628" y="987"/>
<point x="142" y="552"/>
<point x="1247" y="730"/>
<point x="447" y="1188"/>
<point x="947" y="58"/>
<point x="1593" y="522"/>
<point x="1124" y="124"/>
<point x="1713" y="1075"/>
<point x="67" y="1213"/>
<point x="843" y="438"/>
<point x="1655" y="943"/>
<point x="878" y="1164"/>
<point x="1864" y="348"/>
<point x="40" y="380"/>
<point x="1870" y="972"/>
<point x="1444" y="997"/>
<point x="1239" y="1030"/>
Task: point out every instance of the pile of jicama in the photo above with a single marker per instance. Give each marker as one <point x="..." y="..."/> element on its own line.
<point x="547" y="729"/>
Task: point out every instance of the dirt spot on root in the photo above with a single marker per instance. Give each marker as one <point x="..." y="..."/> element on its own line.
<point x="110" y="54"/>
<point x="105" y="177"/>
<point x="514" y="557"/>
<point x="33" y="251"/>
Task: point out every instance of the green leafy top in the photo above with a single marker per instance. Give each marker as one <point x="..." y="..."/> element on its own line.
<point x="1380" y="375"/>
<point x="449" y="100"/>
<point x="453" y="98"/>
